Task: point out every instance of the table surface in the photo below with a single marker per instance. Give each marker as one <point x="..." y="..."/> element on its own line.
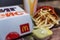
<point x="50" y="3"/>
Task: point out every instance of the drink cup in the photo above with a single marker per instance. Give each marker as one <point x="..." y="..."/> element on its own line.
<point x="30" y="6"/>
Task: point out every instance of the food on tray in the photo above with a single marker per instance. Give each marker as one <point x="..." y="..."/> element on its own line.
<point x="44" y="19"/>
<point x="45" y="16"/>
<point x="42" y="32"/>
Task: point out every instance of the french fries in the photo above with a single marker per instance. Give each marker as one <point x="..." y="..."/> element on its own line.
<point x="45" y="18"/>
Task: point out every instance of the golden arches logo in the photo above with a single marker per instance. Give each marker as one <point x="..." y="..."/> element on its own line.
<point x="24" y="28"/>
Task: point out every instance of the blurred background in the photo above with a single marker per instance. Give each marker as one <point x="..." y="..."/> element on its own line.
<point x="15" y="2"/>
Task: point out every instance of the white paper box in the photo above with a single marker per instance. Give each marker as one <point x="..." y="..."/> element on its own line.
<point x="14" y="25"/>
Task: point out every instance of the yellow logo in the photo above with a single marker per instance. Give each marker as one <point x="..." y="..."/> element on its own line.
<point x="24" y="28"/>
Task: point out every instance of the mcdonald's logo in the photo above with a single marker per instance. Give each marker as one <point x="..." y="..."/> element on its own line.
<point x="24" y="28"/>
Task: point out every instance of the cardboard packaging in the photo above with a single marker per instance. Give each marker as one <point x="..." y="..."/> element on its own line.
<point x="14" y="22"/>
